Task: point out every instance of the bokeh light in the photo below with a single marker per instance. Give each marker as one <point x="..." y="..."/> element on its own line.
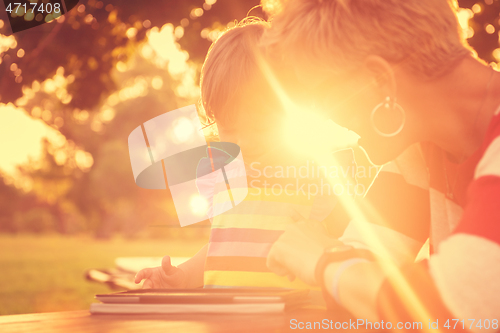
<point x="183" y="130"/>
<point x="198" y="205"/>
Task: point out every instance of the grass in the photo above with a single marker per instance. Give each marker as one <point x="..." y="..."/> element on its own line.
<point x="46" y="273"/>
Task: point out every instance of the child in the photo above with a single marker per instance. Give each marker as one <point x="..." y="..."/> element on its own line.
<point x="236" y="94"/>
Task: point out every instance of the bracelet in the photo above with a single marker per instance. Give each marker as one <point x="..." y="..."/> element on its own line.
<point x="336" y="278"/>
<point x="341" y="255"/>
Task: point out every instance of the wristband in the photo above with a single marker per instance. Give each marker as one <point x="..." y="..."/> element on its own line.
<point x="337" y="254"/>
<point x="338" y="273"/>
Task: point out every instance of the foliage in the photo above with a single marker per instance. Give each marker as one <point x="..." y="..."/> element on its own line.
<point x="89" y="41"/>
<point x="485" y="39"/>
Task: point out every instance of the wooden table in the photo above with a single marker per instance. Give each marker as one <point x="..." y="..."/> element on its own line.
<point x="83" y="321"/>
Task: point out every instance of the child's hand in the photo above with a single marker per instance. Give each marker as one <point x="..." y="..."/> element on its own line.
<point x="166" y="276"/>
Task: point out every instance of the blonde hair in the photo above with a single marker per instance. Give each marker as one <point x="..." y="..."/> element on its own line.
<point x="230" y="70"/>
<point x="422" y="35"/>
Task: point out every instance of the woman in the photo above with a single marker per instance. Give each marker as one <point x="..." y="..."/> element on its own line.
<point x="400" y="74"/>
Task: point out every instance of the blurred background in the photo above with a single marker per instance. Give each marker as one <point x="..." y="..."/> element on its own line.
<point x="71" y="91"/>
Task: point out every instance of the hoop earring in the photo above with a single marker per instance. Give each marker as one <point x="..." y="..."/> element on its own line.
<point x="387" y="105"/>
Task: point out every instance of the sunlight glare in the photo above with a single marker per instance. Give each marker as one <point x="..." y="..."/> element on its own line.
<point x="21" y="136"/>
<point x="364" y="220"/>
<point x="183" y="130"/>
<point x="163" y="43"/>
<point x="198" y="204"/>
<point x="364" y="223"/>
<point x="306" y="131"/>
<point x="170" y="55"/>
<point x="84" y="160"/>
<point x="464" y="15"/>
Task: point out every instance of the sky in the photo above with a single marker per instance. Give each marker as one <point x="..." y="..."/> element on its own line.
<point x="20" y="137"/>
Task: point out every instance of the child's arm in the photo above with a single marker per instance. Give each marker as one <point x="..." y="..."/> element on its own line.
<point x="195" y="268"/>
<point x="186" y="275"/>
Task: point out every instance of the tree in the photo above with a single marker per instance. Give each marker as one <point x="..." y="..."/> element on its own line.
<point x="92" y="75"/>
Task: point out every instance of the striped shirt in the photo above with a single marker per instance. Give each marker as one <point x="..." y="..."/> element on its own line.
<point x="241" y="238"/>
<point x="460" y="279"/>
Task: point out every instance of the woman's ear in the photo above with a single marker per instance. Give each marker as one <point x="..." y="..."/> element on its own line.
<point x="382" y="75"/>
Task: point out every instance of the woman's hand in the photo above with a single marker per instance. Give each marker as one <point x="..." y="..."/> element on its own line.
<point x="297" y="251"/>
<point x="166" y="276"/>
